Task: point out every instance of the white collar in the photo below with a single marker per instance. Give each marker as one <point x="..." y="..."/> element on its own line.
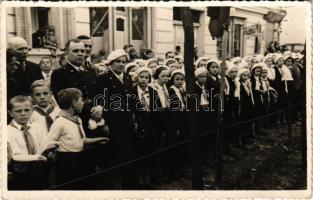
<point x="45" y="74"/>
<point x="202" y="87"/>
<point x="213" y="77"/>
<point x="44" y="109"/>
<point x="119" y="76"/>
<point x="17" y="125"/>
<point x="77" y="68"/>
<point x="159" y="86"/>
<point x="140" y="90"/>
<point x="257" y="77"/>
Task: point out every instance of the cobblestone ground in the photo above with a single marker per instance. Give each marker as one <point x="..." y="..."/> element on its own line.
<point x="268" y="164"/>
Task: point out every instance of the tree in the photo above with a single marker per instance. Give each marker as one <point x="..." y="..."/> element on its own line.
<point x="192" y="114"/>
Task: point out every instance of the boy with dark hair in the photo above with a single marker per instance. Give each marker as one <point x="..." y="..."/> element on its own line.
<point x="68" y="131"/>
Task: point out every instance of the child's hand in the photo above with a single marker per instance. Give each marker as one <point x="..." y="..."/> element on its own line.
<point x="53" y="144"/>
<point x="41" y="158"/>
<point x="103" y="69"/>
<point x="104" y="140"/>
<point x="96" y="113"/>
<point x="96" y="117"/>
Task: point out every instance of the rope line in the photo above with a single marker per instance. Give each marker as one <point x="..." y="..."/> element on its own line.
<point x="168" y="148"/>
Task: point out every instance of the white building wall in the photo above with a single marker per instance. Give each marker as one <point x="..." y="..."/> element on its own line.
<point x="163" y="31"/>
<point x="11" y="25"/>
<point x="81" y="20"/>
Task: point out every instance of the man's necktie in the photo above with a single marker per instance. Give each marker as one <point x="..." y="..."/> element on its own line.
<point x="49" y="120"/>
<point x="28" y="140"/>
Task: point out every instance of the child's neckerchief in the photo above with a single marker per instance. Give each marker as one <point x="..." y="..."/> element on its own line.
<point x="181" y="94"/>
<point x="47" y="113"/>
<point x="74" y="119"/>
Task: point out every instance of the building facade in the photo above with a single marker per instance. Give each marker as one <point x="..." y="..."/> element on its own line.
<point x="159" y="28"/>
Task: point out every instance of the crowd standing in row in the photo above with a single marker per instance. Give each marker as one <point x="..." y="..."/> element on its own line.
<point x="89" y="114"/>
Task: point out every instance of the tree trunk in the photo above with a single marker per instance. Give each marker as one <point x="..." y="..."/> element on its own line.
<point x="192" y="114"/>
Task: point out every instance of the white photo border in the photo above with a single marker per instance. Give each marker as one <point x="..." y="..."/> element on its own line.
<point x="161" y="194"/>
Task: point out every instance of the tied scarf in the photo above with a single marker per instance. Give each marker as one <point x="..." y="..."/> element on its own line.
<point x="49" y="120"/>
<point x="183" y="95"/>
<point x="143" y="100"/>
<point x="74" y="119"/>
<point x="167" y="97"/>
<point x="204" y="98"/>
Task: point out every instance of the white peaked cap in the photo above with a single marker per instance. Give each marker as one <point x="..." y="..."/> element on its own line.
<point x="116" y="54"/>
<point x="200" y="70"/>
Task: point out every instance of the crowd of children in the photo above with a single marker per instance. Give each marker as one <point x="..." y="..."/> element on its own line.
<point x="50" y="142"/>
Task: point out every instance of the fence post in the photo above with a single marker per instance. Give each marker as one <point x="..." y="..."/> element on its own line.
<point x="303" y="128"/>
<point x="289" y="115"/>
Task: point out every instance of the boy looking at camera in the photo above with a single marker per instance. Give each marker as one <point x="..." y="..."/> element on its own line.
<point x="27" y="141"/>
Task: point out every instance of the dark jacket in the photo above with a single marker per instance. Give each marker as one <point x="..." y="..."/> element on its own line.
<point x="177" y="114"/>
<point x="246" y="104"/>
<point x="26" y="75"/>
<point x="86" y="81"/>
<point x="231" y="103"/>
<point x="117" y="113"/>
<point x="148" y="128"/>
<point x="68" y="77"/>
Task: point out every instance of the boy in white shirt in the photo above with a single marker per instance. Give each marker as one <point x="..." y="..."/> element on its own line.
<point x="68" y="131"/>
<point x="27" y="141"/>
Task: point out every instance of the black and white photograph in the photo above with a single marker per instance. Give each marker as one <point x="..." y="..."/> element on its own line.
<point x="206" y="97"/>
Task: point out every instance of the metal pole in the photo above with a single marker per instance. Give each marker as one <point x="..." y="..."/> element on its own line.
<point x="220" y="124"/>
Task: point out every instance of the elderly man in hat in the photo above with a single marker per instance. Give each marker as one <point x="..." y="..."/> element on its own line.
<point x="27" y="72"/>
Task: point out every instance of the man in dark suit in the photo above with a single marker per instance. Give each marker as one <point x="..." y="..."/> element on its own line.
<point x="27" y="71"/>
<point x="74" y="73"/>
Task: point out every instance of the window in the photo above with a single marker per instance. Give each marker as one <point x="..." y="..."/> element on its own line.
<point x="119" y="24"/>
<point x="237" y="40"/>
<point x="43" y="34"/>
<point x="195" y="15"/>
<point x="138" y="23"/>
<point x="257" y="45"/>
<point x="99" y="21"/>
<point x="122" y="9"/>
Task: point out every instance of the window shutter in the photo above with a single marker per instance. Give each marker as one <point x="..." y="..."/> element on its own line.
<point x="67" y="24"/>
<point x="23" y="24"/>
